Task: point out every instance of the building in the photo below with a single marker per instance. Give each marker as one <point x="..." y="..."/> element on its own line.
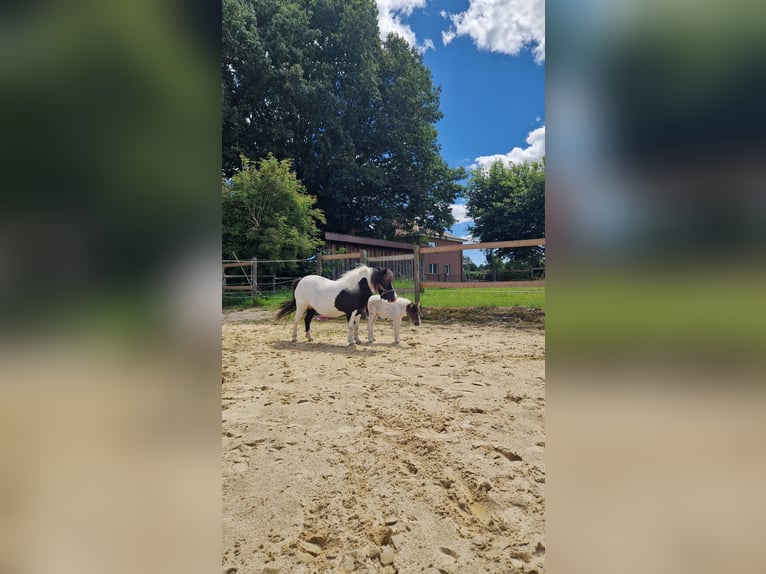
<point x="446" y="266"/>
<point x="343" y="243"/>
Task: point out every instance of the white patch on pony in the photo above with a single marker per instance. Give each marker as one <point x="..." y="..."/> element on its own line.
<point x="350" y="279"/>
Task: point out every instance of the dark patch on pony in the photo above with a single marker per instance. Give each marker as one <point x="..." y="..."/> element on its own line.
<point x="413" y="312"/>
<point x="382" y="278"/>
<point x="310" y="313"/>
<point x="349" y="301"/>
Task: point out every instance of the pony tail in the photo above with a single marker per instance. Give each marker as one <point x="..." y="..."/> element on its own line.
<point x="288" y="306"/>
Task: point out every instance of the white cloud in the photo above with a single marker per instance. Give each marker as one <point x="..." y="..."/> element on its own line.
<point x="390" y="19"/>
<point x="533" y="152"/>
<point x="505" y="26"/>
<point x="460" y="213"/>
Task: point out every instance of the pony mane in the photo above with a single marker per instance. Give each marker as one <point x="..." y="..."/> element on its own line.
<point x="350" y="279"/>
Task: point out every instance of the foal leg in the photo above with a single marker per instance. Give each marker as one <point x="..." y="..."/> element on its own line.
<point x="397" y="320"/>
<point x="371" y="326"/>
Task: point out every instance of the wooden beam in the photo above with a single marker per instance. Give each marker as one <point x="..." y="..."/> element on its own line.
<point x="485" y="245"/>
<point x="480" y="284"/>
<point x="254" y="277"/>
<point x="356" y="255"/>
<point x="407" y="257"/>
<point x="416" y="272"/>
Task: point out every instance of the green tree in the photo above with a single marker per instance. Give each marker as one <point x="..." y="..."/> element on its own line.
<point x="267" y="213"/>
<point x="507" y="202"/>
<point x="419" y="186"/>
<point x="310" y="80"/>
<point x="471" y="270"/>
<point x="298" y="77"/>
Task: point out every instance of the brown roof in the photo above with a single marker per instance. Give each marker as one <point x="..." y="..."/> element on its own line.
<point x="449" y="236"/>
<point x="445" y="236"/>
<point x="343" y="238"/>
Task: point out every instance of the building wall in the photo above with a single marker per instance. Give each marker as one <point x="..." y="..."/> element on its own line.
<point x="453" y="258"/>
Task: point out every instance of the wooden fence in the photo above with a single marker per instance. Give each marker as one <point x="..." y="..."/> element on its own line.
<point x="251" y="278"/>
<point x="420" y="285"/>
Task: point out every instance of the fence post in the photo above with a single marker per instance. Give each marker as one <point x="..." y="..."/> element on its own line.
<point x="254" y="277"/>
<point x="363" y="256"/>
<point x="319" y="263"/>
<point x="416" y="270"/>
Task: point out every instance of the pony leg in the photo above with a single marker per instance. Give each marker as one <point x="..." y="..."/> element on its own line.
<point x="307" y="320"/>
<point x="299" y="311"/>
<point x="351" y="319"/>
<point x="396" y="329"/>
<point x="357" y="320"/>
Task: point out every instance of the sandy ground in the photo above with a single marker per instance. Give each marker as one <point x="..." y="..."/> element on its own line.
<point x="421" y="457"/>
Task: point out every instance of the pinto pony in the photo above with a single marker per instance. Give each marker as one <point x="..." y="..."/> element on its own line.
<point x="316" y="295"/>
<point x="394" y="310"/>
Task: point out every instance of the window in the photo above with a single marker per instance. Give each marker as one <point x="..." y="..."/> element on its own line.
<point x="433" y="244"/>
<point x="446" y="268"/>
<point x="433" y="268"/>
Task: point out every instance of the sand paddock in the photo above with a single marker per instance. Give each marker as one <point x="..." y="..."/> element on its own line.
<point x="420" y="457"/>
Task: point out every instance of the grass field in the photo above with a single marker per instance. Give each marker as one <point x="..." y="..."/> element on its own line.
<point x="484" y="297"/>
<point x="533" y="297"/>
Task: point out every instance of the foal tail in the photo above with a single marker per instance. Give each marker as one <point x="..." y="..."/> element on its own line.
<point x="288" y="306"/>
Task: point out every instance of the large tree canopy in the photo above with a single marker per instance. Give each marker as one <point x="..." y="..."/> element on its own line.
<point x="507" y="202"/>
<point x="267" y="214"/>
<point x="310" y="80"/>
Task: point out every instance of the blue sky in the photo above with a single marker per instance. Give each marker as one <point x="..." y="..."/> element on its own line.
<point x="488" y="56"/>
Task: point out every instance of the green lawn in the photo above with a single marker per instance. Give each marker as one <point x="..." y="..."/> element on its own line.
<point x="475" y="296"/>
<point x="483" y="297"/>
